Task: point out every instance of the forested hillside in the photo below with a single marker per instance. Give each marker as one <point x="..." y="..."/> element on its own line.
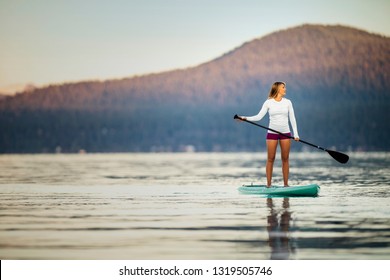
<point x="337" y="78"/>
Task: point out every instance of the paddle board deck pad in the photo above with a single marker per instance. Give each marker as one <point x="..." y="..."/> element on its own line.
<point x="307" y="190"/>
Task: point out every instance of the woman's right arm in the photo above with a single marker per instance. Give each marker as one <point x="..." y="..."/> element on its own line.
<point x="260" y="115"/>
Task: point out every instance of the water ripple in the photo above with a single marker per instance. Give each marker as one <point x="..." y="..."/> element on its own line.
<point x="186" y="206"/>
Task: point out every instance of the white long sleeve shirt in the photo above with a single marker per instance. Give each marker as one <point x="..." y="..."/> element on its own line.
<point x="279" y="114"/>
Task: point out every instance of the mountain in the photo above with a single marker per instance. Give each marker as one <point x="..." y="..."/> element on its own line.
<point x="337" y="78"/>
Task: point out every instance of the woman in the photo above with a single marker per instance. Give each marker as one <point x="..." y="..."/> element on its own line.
<point x="280" y="111"/>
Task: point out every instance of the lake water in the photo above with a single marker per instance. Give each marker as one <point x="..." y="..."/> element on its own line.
<point x="186" y="206"/>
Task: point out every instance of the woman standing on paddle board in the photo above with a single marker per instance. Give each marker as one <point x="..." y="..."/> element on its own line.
<point x="280" y="111"/>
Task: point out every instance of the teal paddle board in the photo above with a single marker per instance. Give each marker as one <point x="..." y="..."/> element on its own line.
<point x="307" y="190"/>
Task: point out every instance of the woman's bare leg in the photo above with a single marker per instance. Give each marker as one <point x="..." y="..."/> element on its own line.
<point x="271" y="152"/>
<point x="285" y="147"/>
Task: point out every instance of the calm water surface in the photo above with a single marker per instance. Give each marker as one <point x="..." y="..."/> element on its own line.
<point x="186" y="206"/>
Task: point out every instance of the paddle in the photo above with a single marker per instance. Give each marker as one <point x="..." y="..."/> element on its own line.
<point x="340" y="157"/>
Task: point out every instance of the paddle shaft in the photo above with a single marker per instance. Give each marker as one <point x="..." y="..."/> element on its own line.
<point x="340" y="157"/>
<point x="259" y="125"/>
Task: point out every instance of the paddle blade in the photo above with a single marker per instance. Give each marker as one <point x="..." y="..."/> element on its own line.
<point x="340" y="157"/>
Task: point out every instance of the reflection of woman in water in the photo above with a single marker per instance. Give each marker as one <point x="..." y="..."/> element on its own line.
<point x="279" y="231"/>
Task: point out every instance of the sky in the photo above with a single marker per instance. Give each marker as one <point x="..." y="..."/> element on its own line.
<point x="55" y="41"/>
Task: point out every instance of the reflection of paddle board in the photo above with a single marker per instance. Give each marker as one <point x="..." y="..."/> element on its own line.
<point x="308" y="190"/>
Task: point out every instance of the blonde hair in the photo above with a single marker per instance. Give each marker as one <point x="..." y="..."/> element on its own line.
<point x="274" y="89"/>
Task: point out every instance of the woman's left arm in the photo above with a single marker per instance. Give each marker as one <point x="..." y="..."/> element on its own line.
<point x="293" y="120"/>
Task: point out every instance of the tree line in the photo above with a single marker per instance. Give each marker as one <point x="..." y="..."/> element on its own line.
<point x="337" y="78"/>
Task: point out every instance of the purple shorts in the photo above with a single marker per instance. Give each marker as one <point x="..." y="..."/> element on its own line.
<point x="277" y="136"/>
